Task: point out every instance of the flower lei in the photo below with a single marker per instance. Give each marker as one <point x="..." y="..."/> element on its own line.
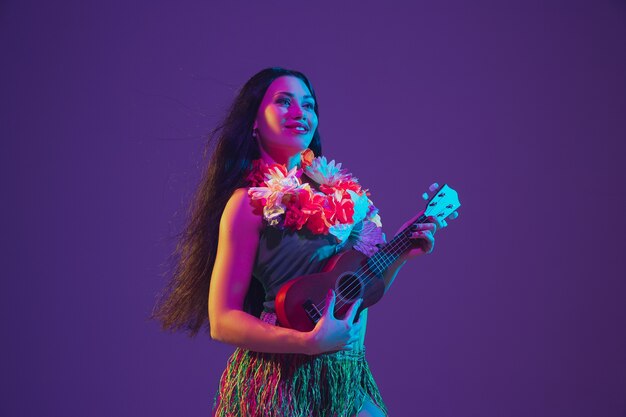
<point x="337" y="208"/>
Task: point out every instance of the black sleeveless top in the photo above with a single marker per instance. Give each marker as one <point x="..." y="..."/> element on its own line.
<point x="284" y="254"/>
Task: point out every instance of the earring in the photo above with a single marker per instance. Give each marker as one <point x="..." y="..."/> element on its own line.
<point x="254" y="133"/>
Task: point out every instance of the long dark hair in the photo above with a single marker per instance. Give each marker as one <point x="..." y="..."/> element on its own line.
<point x="183" y="303"/>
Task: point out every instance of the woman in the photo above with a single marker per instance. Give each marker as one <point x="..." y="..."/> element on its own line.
<point x="270" y="209"/>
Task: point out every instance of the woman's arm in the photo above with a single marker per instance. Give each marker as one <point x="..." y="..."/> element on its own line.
<point x="237" y="246"/>
<point x="363" y="320"/>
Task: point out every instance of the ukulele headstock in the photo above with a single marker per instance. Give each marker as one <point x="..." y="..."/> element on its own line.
<point x="443" y="203"/>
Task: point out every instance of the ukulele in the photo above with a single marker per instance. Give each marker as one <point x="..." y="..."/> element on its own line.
<point x="352" y="275"/>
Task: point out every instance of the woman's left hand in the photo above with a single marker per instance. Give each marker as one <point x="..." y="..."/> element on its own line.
<point x="423" y="236"/>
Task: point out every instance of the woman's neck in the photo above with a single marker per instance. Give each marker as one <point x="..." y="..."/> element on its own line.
<point x="279" y="156"/>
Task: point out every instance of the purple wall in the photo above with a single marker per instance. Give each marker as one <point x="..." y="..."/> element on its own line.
<point x="519" y="312"/>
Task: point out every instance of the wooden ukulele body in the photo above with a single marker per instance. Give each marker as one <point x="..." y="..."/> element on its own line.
<point x="300" y="302"/>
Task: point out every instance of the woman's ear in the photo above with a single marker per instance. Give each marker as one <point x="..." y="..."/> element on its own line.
<point x="254" y="130"/>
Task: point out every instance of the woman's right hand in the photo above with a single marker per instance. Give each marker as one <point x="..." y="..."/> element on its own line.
<point x="331" y="334"/>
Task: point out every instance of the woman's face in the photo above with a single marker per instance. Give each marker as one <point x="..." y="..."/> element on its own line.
<point x="286" y="120"/>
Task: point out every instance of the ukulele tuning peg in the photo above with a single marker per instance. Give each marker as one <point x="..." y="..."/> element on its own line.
<point x="433" y="187"/>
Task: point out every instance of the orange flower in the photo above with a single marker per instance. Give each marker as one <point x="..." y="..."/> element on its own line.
<point x="306" y="157"/>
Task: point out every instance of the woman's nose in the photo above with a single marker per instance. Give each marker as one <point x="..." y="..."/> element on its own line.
<point x="296" y="111"/>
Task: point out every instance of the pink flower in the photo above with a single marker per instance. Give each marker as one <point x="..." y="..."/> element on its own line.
<point x="314" y="207"/>
<point x="340" y="210"/>
<point x="295" y="218"/>
<point x="317" y="223"/>
<point x="256" y="175"/>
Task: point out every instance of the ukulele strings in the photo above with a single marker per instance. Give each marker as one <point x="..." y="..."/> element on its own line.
<point x="402" y="244"/>
<point x="369" y="275"/>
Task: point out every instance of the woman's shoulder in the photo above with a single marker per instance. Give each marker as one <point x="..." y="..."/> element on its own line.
<point x="240" y="193"/>
<point x="240" y="212"/>
<point x="240" y="199"/>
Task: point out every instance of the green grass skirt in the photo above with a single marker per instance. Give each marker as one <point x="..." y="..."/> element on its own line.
<point x="295" y="385"/>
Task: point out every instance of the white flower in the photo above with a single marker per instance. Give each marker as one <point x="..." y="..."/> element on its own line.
<point x="323" y="172"/>
<point x="277" y="185"/>
<point x="275" y="180"/>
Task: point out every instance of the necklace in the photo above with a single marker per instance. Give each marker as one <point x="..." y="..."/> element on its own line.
<point x="338" y="205"/>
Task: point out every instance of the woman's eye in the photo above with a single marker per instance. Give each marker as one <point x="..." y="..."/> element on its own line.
<point x="287" y="101"/>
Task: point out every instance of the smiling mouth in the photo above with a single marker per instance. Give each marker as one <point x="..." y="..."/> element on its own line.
<point x="298" y="128"/>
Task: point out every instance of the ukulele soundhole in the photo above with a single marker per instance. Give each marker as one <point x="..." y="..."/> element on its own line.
<point x="349" y="287"/>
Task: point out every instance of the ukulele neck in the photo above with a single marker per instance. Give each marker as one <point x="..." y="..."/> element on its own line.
<point x="440" y="206"/>
<point x="391" y="251"/>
